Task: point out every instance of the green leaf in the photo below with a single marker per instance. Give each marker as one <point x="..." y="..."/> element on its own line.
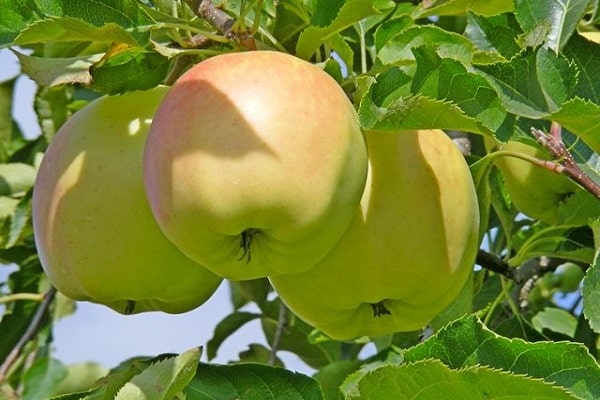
<point x="432" y="380"/>
<point x="558" y="19"/>
<point x="258" y="353"/>
<point x="291" y="18"/>
<point x="346" y="14"/>
<point x="580" y="117"/>
<point x="332" y="375"/>
<point x="399" y="49"/>
<point x="69" y="29"/>
<point x="532" y="84"/>
<point x="128" y="70"/>
<point x="225" y="328"/>
<point x="14" y="16"/>
<point x="7" y="123"/>
<point x="17" y="225"/>
<point x="295" y="339"/>
<point x="16" y="178"/>
<point x="467" y="343"/>
<point x="58" y="71"/>
<point x="43" y="376"/>
<point x="586" y="56"/>
<point x="415" y="112"/>
<point x="591" y="294"/>
<point x="553" y="241"/>
<point x="249" y="382"/>
<point x="14" y="324"/>
<point x="447" y="79"/>
<point x="127" y="14"/>
<point x="162" y="380"/>
<point x="555" y="320"/>
<point x="494" y="34"/>
<point x="461" y="7"/>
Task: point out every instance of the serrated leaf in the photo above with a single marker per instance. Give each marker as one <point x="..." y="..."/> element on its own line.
<point x="497" y="33"/>
<point x="415" y="112"/>
<point x="69" y="29"/>
<point x="432" y="380"/>
<point x="250" y="381"/>
<point x="557" y="18"/>
<point x="162" y="380"/>
<point x="225" y="328"/>
<point x="57" y="71"/>
<point x="346" y="14"/>
<point x="468" y="343"/>
<point x="128" y="70"/>
<point x="586" y="56"/>
<point x="14" y="16"/>
<point x="127" y="14"/>
<point x="399" y="48"/>
<point x="447" y="79"/>
<point x="533" y="84"/>
<point x="582" y="118"/>
<point x="591" y="294"/>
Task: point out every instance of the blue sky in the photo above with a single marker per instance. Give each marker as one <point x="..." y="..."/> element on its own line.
<point x="96" y="333"/>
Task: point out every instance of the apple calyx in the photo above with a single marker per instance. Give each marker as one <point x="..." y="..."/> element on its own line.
<point x="246" y="238"/>
<point x="379" y="309"/>
<point x="130" y="307"/>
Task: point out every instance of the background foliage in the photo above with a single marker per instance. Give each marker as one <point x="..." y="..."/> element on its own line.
<point x="526" y="326"/>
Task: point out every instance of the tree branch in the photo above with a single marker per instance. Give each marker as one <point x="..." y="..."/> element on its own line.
<point x="282" y="322"/>
<point x="32" y="329"/>
<point x="495" y="264"/>
<point x="554" y="144"/>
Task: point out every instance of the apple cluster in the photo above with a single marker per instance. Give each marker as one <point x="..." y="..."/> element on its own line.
<point x="254" y="165"/>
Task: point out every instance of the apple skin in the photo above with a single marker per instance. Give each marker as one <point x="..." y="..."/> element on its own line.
<point x="255" y="164"/>
<point x="533" y="190"/>
<point x="95" y="234"/>
<point x="410" y="248"/>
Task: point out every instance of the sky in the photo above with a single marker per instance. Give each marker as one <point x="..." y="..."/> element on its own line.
<point x="96" y="333"/>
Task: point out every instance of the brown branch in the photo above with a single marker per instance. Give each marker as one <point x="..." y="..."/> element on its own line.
<point x="218" y="18"/>
<point x="30" y="332"/>
<point x="495" y="264"/>
<point x="554" y="144"/>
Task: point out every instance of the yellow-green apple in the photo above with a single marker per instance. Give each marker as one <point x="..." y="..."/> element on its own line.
<point x="96" y="237"/>
<point x="254" y="164"/>
<point x="533" y="190"/>
<point x="409" y="250"/>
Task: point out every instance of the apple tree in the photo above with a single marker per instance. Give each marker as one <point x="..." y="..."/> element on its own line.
<point x="477" y="165"/>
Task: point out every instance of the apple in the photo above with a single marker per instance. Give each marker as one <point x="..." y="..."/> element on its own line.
<point x="533" y="190"/>
<point x="96" y="237"/>
<point x="255" y="164"/>
<point x="409" y="250"/>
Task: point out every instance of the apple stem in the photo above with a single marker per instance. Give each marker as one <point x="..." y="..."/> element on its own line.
<point x="29" y="333"/>
<point x="218" y="18"/>
<point x="556" y="146"/>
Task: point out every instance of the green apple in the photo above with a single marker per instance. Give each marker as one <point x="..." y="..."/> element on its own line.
<point x="409" y="250"/>
<point x="254" y="164"/>
<point x="94" y="231"/>
<point x="533" y="190"/>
